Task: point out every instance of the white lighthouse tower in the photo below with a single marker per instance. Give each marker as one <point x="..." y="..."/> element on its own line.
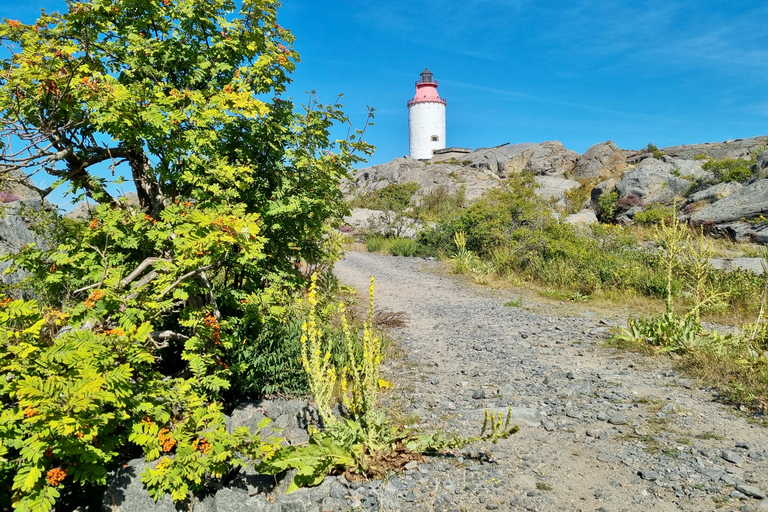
<point x="426" y="118"/>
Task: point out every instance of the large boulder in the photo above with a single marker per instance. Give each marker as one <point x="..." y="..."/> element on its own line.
<point x="502" y="161"/>
<point x="16" y="231"/>
<point x="126" y="493"/>
<point x="551" y="159"/>
<point x="745" y="203"/>
<point x="604" y="187"/>
<point x="553" y="188"/>
<point x="582" y="218"/>
<point x="652" y="181"/>
<point x="715" y="192"/>
<point x="600" y="161"/>
<point x="740" y="231"/>
<point x="16" y="186"/>
<point x="451" y="178"/>
<point x="739" y="148"/>
<point x="761" y="163"/>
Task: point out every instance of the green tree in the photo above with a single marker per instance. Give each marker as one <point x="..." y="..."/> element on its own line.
<point x="236" y="190"/>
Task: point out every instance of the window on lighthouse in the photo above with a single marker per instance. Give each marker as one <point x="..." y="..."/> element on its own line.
<point x="435" y="138"/>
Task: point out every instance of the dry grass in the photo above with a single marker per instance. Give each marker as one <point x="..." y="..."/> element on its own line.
<point x="736" y="383"/>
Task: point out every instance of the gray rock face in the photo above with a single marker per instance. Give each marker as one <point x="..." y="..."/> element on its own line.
<point x="503" y="161"/>
<point x="15" y="233"/>
<point x="652" y="182"/>
<point x="740" y="148"/>
<point x="82" y="211"/>
<point x="762" y="160"/>
<point x="747" y="202"/>
<point x="729" y="264"/>
<point x="291" y="416"/>
<point x="126" y="493"/>
<point x="552" y="159"/>
<point x="13" y="183"/>
<point x="604" y="187"/>
<point x="687" y="168"/>
<point x="741" y="231"/>
<point x="716" y="192"/>
<point x="430" y="177"/>
<point x="554" y="188"/>
<point x="377" y="221"/>
<point x="601" y="160"/>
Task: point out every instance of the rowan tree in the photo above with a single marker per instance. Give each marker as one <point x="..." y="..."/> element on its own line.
<point x="236" y="185"/>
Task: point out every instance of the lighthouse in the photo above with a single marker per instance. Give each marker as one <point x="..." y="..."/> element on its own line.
<point x="426" y="118"/>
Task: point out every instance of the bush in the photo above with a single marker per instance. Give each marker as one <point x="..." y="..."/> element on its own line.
<point x="607" y="206"/>
<point x="438" y="204"/>
<point x="236" y="192"/>
<point x="395" y="245"/>
<point x="655" y="214"/>
<point x="394" y="197"/>
<point x="730" y="169"/>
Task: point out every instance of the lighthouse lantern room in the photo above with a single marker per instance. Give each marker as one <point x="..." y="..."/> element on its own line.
<point x="426" y="118"/>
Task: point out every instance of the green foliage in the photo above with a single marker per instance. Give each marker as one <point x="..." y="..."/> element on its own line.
<point x="577" y="198"/>
<point x="394" y="197"/>
<point x="270" y="364"/>
<point x="463" y="258"/>
<point x="607" y="206"/>
<point x="655" y="214"/>
<point x="729" y="169"/>
<point x="78" y="395"/>
<point x="657" y="153"/>
<point x="395" y="245"/>
<point x="236" y="195"/>
<point x="438" y="204"/>
<point x="356" y="442"/>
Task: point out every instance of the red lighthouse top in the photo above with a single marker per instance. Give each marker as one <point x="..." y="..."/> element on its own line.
<point x="426" y="90"/>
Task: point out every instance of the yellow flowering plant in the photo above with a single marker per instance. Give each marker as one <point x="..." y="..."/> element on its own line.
<point x="351" y="442"/>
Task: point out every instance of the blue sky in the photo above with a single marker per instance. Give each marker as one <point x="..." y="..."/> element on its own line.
<point x="581" y="71"/>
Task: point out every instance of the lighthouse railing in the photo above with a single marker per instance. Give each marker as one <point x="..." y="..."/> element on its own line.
<point x="441" y="100"/>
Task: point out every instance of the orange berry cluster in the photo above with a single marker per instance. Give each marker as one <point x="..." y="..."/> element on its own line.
<point x="5" y="302"/>
<point x="166" y="441"/>
<point x="29" y="412"/>
<point x="116" y="331"/>
<point x="48" y="452"/>
<point x="201" y="445"/>
<point x="210" y="321"/>
<point x="149" y="219"/>
<point x="94" y="298"/>
<point x="55" y="476"/>
<point x="221" y="224"/>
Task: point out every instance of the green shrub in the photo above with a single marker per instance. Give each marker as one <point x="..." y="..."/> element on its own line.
<point x="438" y="204"/>
<point x="395" y="245"/>
<point x="270" y="363"/>
<point x="655" y="214"/>
<point x="394" y="197"/>
<point x="77" y="397"/>
<point x="729" y="169"/>
<point x="607" y="206"/>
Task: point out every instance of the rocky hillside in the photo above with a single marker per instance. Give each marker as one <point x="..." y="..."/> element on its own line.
<point x="700" y="179"/>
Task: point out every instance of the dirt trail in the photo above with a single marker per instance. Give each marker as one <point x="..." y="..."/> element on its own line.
<point x="600" y="429"/>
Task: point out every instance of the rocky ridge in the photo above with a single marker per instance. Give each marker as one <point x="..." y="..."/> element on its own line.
<point x="672" y="175"/>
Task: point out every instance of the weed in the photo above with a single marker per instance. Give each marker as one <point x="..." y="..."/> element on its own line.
<point x="514" y="303"/>
<point x="543" y="487"/>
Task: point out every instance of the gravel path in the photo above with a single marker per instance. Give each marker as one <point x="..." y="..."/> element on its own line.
<point x="600" y="429"/>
